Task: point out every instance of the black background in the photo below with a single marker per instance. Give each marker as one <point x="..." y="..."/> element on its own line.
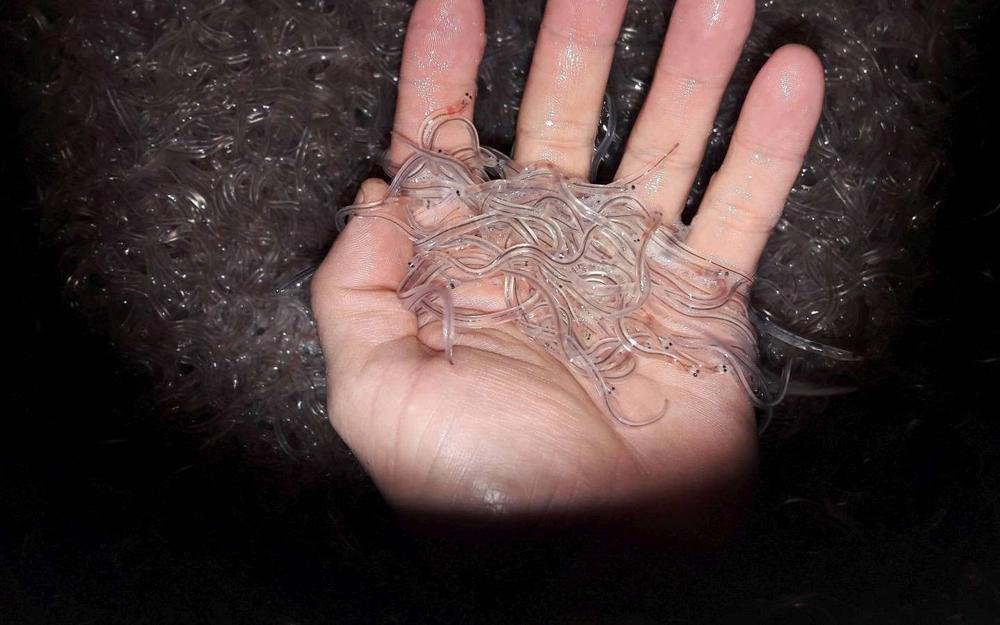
<point x="884" y="509"/>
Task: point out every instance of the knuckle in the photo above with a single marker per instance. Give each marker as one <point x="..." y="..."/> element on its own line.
<point x="741" y="214"/>
<point x="688" y="82"/>
<point x="570" y="134"/>
<point x="762" y="150"/>
<point x="567" y="149"/>
<point x="681" y="161"/>
<point x="577" y="33"/>
<point x="324" y="291"/>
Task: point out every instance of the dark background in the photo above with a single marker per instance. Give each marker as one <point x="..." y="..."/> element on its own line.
<point x="883" y="509"/>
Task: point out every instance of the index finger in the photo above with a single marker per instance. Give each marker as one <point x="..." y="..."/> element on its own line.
<point x="445" y="41"/>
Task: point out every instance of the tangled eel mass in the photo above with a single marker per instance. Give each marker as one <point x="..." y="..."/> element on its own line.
<point x="585" y="270"/>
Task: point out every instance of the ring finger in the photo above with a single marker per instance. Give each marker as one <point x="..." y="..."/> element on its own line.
<point x="701" y="49"/>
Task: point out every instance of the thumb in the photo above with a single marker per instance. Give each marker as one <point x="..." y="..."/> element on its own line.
<point x="370" y="252"/>
<point x="354" y="290"/>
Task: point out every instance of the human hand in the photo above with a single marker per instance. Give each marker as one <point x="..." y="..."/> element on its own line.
<point x="510" y="430"/>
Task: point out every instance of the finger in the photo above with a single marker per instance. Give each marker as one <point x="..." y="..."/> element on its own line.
<point x="354" y="290"/>
<point x="569" y="74"/>
<point x="746" y="196"/>
<point x="701" y="49"/>
<point x="444" y="44"/>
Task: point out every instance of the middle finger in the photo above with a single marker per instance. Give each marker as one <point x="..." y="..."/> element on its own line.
<point x="565" y="90"/>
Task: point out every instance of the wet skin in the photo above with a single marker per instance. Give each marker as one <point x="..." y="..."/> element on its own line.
<point x="508" y="432"/>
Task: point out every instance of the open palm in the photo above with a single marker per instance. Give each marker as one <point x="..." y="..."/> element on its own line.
<point x="508" y="429"/>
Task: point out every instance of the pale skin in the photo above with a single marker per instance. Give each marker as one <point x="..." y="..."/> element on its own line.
<point x="509" y="431"/>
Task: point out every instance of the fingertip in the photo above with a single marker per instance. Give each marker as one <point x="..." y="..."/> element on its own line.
<point x="792" y="81"/>
<point x="371" y="190"/>
<point x="703" y="32"/>
<point x="784" y="103"/>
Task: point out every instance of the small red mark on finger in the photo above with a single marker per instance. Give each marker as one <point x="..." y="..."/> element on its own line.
<point x="457" y="108"/>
